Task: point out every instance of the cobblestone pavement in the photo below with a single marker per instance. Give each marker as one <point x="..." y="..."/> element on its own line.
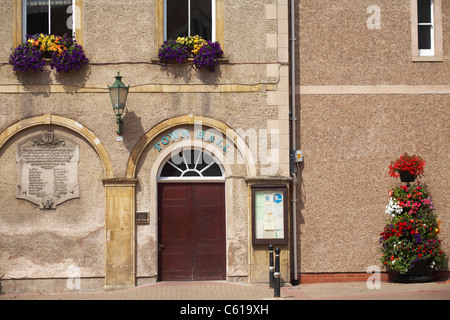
<point x="229" y="291"/>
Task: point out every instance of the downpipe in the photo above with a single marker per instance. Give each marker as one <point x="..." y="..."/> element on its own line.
<point x="294" y="143"/>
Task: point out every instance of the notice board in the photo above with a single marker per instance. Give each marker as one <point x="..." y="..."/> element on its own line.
<point x="269" y="215"/>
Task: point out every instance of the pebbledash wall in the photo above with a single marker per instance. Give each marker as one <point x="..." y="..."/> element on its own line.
<point x="361" y="101"/>
<point x="364" y="99"/>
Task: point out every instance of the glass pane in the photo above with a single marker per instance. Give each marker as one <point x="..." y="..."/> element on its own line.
<point x="177" y="19"/>
<point x="424" y="11"/>
<point x="204" y="161"/>
<point x="201" y="18"/>
<point x="61" y="21"/>
<point x="170" y="171"/>
<point x="191" y="174"/>
<point x="213" y="171"/>
<point x="424" y="37"/>
<point x="37" y="17"/>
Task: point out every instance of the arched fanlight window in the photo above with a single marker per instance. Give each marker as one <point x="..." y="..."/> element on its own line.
<point x="191" y="164"/>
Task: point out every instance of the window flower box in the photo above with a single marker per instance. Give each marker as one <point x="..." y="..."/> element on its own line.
<point x="62" y="54"/>
<point x="201" y="53"/>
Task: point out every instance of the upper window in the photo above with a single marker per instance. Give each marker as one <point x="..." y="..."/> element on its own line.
<point x="49" y="17"/>
<point x="426" y="30"/>
<point x="190" y="18"/>
<point x="425" y="25"/>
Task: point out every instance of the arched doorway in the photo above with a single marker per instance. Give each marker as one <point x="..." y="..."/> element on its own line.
<point x="191" y="217"/>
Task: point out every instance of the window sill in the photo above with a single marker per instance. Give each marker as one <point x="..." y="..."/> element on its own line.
<point x="427" y="59"/>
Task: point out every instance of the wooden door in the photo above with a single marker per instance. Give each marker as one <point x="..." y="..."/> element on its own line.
<point x="191" y="232"/>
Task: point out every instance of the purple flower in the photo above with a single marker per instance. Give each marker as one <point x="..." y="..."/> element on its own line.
<point x="208" y="55"/>
<point x="28" y="57"/>
<point x="418" y="238"/>
<point x="172" y="51"/>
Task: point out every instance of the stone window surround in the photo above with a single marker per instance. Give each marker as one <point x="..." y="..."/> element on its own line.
<point x="438" y="54"/>
<point x="159" y="21"/>
<point x="18" y="22"/>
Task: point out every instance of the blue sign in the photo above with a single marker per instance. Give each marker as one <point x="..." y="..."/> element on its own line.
<point x="277" y="198"/>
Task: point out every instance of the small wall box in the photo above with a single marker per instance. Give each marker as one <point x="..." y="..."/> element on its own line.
<point x="298" y="156"/>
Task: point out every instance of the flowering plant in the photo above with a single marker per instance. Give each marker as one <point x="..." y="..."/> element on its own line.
<point x="411" y="164"/>
<point x="172" y="51"/>
<point x="65" y="54"/>
<point x="193" y="43"/>
<point x="205" y="53"/>
<point x="26" y="58"/>
<point x="411" y="232"/>
<point x="207" y="56"/>
<point x="48" y="43"/>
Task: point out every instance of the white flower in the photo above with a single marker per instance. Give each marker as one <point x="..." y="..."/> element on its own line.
<point x="393" y="208"/>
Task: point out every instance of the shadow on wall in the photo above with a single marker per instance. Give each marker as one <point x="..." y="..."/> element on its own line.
<point x="187" y="72"/>
<point x="132" y="125"/>
<point x="71" y="82"/>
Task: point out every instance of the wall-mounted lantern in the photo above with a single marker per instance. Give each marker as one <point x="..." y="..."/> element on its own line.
<point x="119" y="94"/>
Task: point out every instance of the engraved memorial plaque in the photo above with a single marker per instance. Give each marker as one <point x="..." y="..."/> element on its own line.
<point x="48" y="170"/>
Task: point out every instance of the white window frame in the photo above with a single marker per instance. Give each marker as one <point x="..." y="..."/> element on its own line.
<point x="213" y="20"/>
<point x="24" y="17"/>
<point x="436" y="53"/>
<point x="427" y="52"/>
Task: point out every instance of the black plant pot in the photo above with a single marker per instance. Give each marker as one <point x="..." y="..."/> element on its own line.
<point x="419" y="274"/>
<point x="405" y="176"/>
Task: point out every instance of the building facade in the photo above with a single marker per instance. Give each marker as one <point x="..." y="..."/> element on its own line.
<point x="203" y="177"/>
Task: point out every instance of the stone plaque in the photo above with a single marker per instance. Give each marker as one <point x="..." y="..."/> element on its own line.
<point x="48" y="170"/>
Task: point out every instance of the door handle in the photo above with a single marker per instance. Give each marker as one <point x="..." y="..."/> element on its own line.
<point x="161" y="246"/>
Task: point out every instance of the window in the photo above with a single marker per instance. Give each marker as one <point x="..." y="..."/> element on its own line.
<point x="165" y="30"/>
<point x="191" y="164"/>
<point x="426" y="30"/>
<point x="41" y="16"/>
<point x="189" y="18"/>
<point x="48" y="17"/>
<point x="425" y="20"/>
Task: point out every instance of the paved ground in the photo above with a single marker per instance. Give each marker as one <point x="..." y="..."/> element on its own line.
<point x="230" y="292"/>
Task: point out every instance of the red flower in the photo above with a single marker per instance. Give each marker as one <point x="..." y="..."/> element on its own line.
<point x="413" y="164"/>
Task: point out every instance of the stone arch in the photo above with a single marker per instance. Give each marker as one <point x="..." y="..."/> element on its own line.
<point x="143" y="143"/>
<point x="49" y="119"/>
